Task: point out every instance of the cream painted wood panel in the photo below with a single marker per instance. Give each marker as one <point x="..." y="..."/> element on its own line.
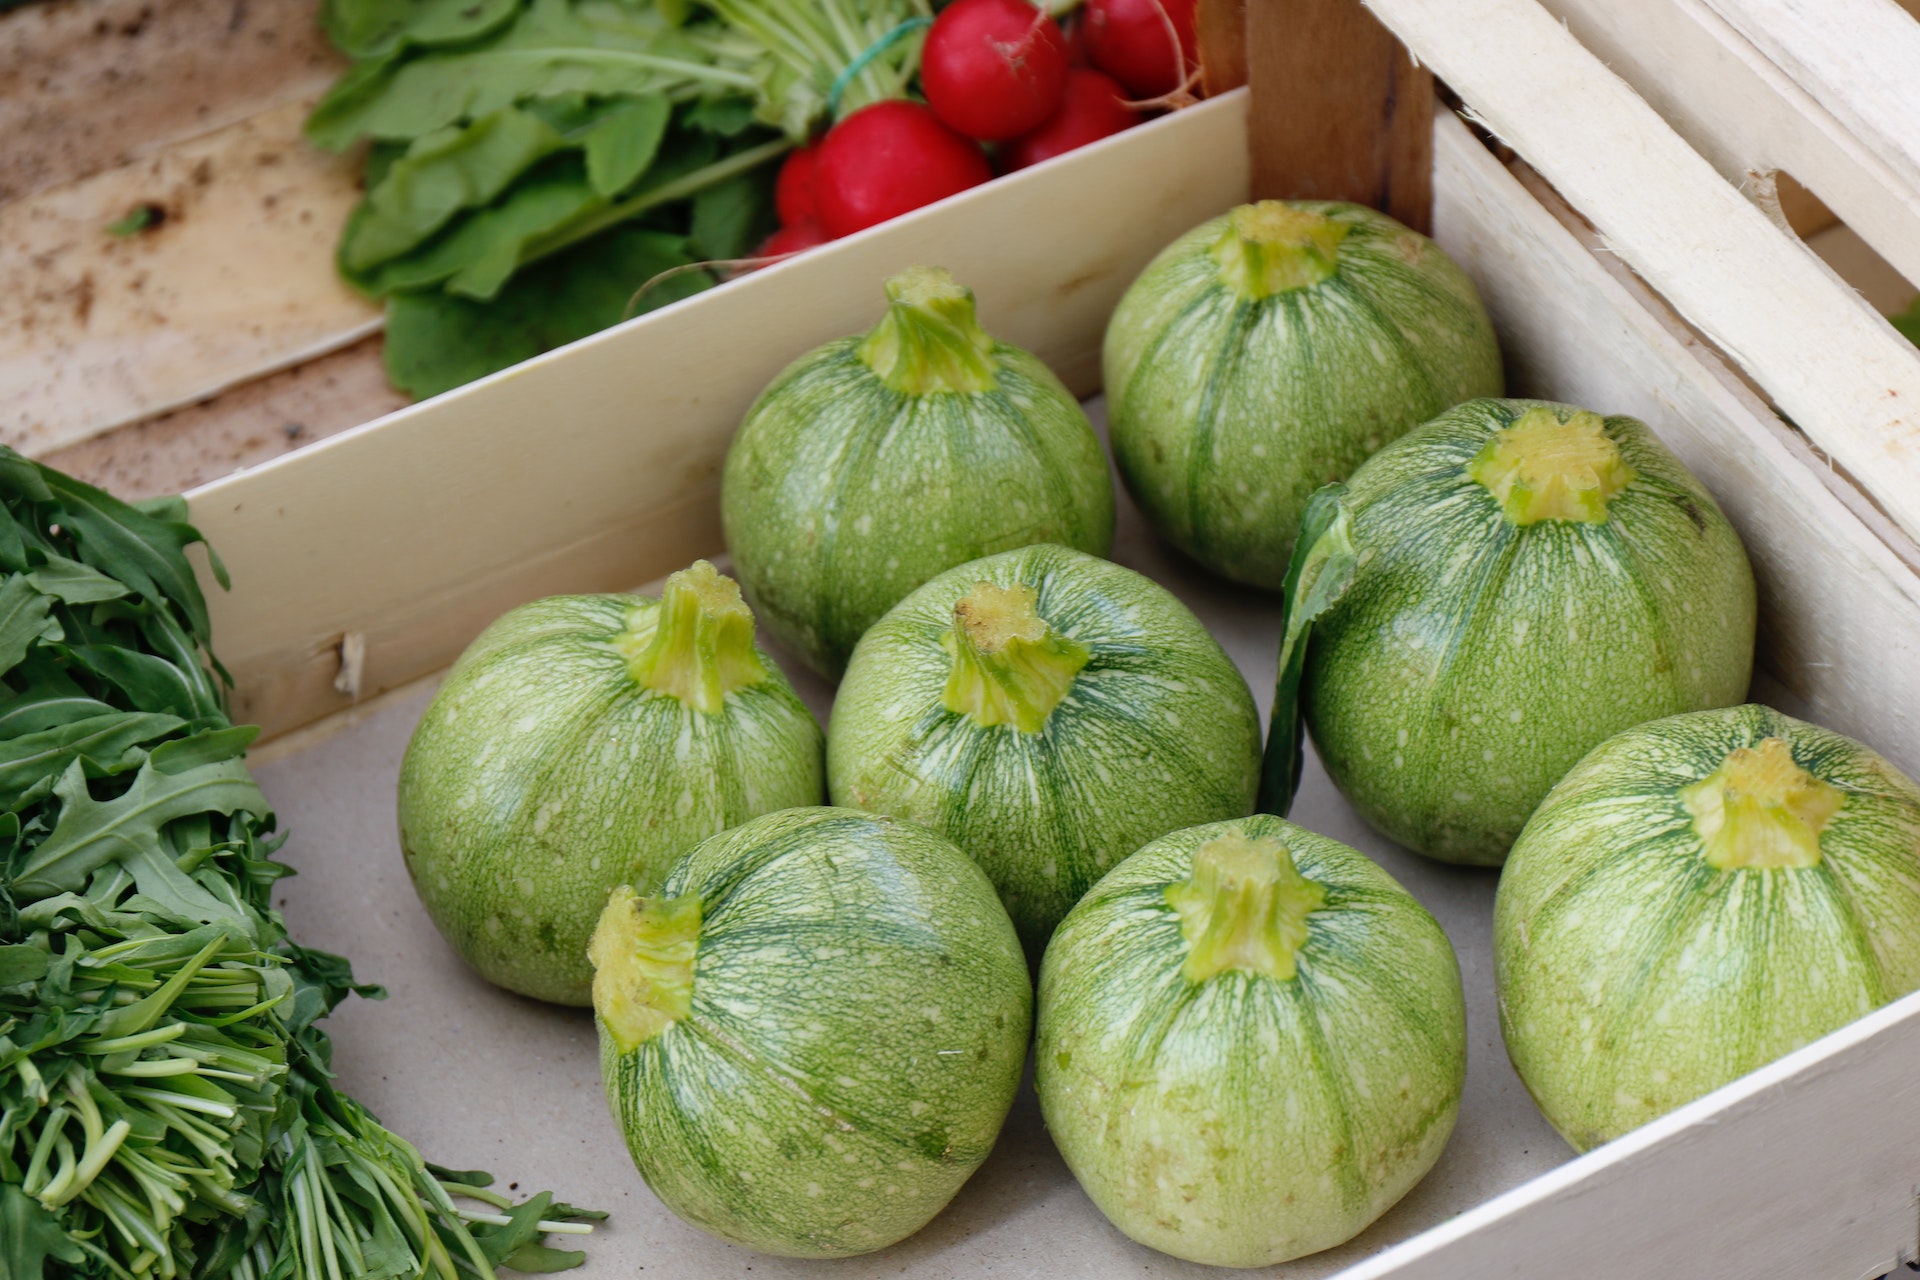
<point x="597" y="466"/>
<point x="235" y="282"/>
<point x="1837" y="368"/>
<point x="1746" y="115"/>
<point x="1859" y="59"/>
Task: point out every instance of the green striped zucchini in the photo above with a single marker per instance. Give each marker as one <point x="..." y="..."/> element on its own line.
<point x="1049" y="713"/>
<point x="1490" y="597"/>
<point x="1699" y="896"/>
<point x="880" y="460"/>
<point x="812" y="1033"/>
<point x="1252" y="1042"/>
<point x="1268" y="352"/>
<point x="584" y="742"/>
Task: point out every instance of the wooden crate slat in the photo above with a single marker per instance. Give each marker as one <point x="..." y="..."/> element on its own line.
<point x="1746" y="115"/>
<point x="1859" y="59"/>
<point x="1836" y="368"/>
<point x="1340" y="112"/>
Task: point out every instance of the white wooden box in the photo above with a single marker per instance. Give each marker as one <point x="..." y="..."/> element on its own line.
<point x="361" y="566"/>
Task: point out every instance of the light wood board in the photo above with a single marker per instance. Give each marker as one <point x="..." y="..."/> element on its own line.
<point x="235" y="281"/>
<point x="1747" y="115"/>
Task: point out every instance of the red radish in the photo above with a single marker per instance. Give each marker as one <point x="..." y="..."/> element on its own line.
<point x="1133" y="41"/>
<point x="793" y="189"/>
<point x="993" y="69"/>
<point x="792" y="238"/>
<point x="1074" y="28"/>
<point x="888" y="159"/>
<point x="1094" y="108"/>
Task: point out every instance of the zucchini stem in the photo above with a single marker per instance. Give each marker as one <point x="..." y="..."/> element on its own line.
<point x="1274" y="247"/>
<point x="697" y="643"/>
<point x="1545" y="467"/>
<point x="1245" y="907"/>
<point x="1761" y="810"/>
<point x="930" y="339"/>
<point x="643" y="952"/>
<point x="1009" y="666"/>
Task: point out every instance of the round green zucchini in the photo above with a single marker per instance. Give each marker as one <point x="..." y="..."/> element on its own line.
<point x="880" y="460"/>
<point x="1268" y="352"/>
<point x="584" y="742"/>
<point x="1699" y="896"/>
<point x="1252" y="1042"/>
<point x="1049" y="713"/>
<point x="812" y="1034"/>
<point x="1498" y="592"/>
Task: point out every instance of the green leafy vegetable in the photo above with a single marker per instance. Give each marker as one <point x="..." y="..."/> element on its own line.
<point x="436" y="341"/>
<point x="1908" y="321"/>
<point x="166" y="1108"/>
<point x="1319" y="574"/>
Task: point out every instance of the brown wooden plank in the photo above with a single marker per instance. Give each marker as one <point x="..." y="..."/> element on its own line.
<point x="1340" y="111"/>
<point x="240" y="428"/>
<point x="89" y="85"/>
<point x="1223" y="45"/>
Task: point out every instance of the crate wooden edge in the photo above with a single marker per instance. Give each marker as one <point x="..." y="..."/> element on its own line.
<point x="1744" y="281"/>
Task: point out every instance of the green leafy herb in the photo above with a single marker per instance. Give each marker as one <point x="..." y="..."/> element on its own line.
<point x="166" y="1108"/>
<point x="436" y="341"/>
<point x="1321" y="571"/>
<point x="136" y="220"/>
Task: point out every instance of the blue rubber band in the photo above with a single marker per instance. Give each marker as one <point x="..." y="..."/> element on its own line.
<point x="867" y="55"/>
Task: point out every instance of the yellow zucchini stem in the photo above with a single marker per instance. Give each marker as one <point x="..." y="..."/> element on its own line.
<point x="1245" y="907"/>
<point x="1760" y="809"/>
<point x="697" y="645"/>
<point x="1009" y="666"/>
<point x="930" y="340"/>
<point x="1273" y="247"/>
<point x="1545" y="468"/>
<point x="643" y="952"/>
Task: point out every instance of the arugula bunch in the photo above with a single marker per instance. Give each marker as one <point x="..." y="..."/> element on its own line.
<point x="532" y="163"/>
<point x="166" y="1107"/>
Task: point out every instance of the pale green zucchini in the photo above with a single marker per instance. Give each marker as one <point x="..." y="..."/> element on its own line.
<point x="1699" y="896"/>
<point x="584" y="742"/>
<point x="1252" y="1042"/>
<point x="1268" y="352"/>
<point x="812" y="1034"/>
<point x="880" y="460"/>
<point x="1048" y="712"/>
<point x="1490" y="597"/>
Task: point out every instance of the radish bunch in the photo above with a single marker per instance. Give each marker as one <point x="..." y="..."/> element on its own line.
<point x="997" y="75"/>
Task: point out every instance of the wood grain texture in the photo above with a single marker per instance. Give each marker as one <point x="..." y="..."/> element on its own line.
<point x="1749" y="118"/>
<point x="235" y="279"/>
<point x="1859" y="59"/>
<point x="1837" y="369"/>
<point x="1340" y="111"/>
<point x="245" y="427"/>
<point x="1222" y="28"/>
<point x="90" y="85"/>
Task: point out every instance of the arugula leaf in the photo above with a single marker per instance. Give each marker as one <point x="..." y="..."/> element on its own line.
<point x="102" y="742"/>
<point x="148" y="555"/>
<point x="71" y="582"/>
<point x="29" y="1235"/>
<point x="436" y="342"/>
<point x="442" y="173"/>
<point x="91" y="833"/>
<point x="375" y="28"/>
<point x="145" y="679"/>
<point x="1322" y="568"/>
<point x="25" y="616"/>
